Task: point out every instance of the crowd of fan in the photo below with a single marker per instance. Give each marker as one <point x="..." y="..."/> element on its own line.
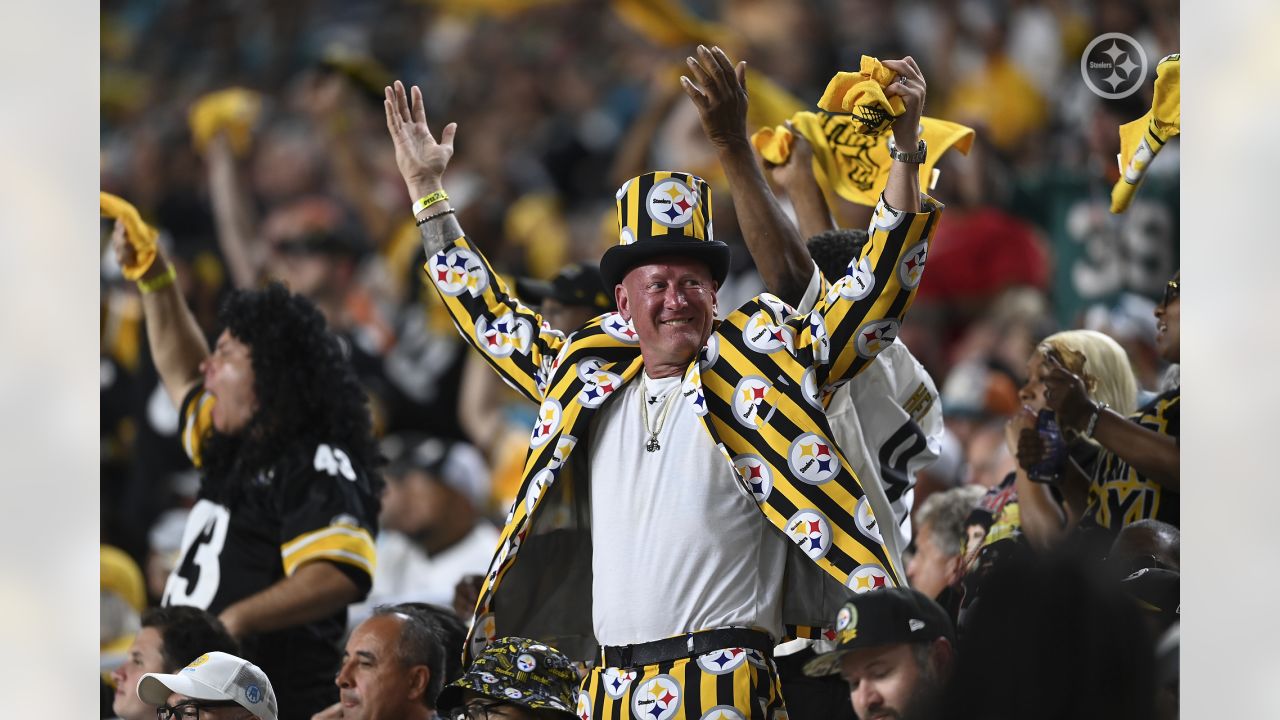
<point x="1043" y="540"/>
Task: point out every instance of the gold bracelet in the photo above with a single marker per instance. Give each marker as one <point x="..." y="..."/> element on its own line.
<point x="428" y="201"/>
<point x="160" y="282"/>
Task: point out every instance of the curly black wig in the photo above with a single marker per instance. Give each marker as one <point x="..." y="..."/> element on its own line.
<point x="833" y="250"/>
<point x="306" y="389"/>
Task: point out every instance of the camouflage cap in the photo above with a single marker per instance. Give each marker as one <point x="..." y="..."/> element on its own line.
<point x="520" y="671"/>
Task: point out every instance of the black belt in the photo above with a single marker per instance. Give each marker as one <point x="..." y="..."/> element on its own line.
<point x="686" y="646"/>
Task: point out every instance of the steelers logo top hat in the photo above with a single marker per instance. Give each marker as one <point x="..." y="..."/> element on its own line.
<point x="663" y="213"/>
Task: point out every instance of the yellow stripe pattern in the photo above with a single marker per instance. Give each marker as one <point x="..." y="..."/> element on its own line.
<point x="340" y="543"/>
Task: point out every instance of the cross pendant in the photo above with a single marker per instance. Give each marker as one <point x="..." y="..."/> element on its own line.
<point x="652" y="445"/>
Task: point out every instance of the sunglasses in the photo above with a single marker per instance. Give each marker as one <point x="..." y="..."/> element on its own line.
<point x="190" y="710"/>
<point x="1170" y="293"/>
<point x="478" y="710"/>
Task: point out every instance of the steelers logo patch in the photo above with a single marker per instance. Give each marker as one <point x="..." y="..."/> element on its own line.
<point x="583" y="710"/>
<point x="866" y="520"/>
<point x="868" y="577"/>
<point x="619" y="329"/>
<point x="504" y="335"/>
<point x="458" y="270"/>
<point x="671" y="203"/>
<point x="657" y="698"/>
<point x="548" y="422"/>
<point x="857" y="283"/>
<point x="753" y="402"/>
<point x="692" y="393"/>
<point x="622" y="191"/>
<point x="482" y="634"/>
<point x="721" y="662"/>
<point x="755" y="472"/>
<point x="597" y="387"/>
<point x="710" y="352"/>
<point x="873" y="337"/>
<point x="616" y="681"/>
<point x="539" y="483"/>
<point x="776" y="304"/>
<point x="809" y="388"/>
<point x="812" y="459"/>
<point x="513" y="693"/>
<point x="526" y="663"/>
<point x="489" y="677"/>
<point x="723" y="712"/>
<point x="911" y="269"/>
<point x="626" y="237"/>
<point x="810" y="530"/>
<point x="885" y="218"/>
<point x="762" y="335"/>
<point x="564" y="445"/>
<point x="819" y="340"/>
<point x="847" y="617"/>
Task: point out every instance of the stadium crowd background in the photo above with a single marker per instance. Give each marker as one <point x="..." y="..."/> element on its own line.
<point x="558" y="102"/>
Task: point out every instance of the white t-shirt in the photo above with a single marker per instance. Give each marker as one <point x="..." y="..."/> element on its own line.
<point x="405" y="573"/>
<point x="678" y="544"/>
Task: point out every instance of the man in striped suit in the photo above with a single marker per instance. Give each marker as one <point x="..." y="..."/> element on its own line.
<point x="683" y="507"/>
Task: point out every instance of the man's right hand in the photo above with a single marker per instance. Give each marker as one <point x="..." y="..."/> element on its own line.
<point x="421" y="159"/>
<point x="719" y="91"/>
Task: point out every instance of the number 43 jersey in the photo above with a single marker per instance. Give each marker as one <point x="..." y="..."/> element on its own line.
<point x="314" y="504"/>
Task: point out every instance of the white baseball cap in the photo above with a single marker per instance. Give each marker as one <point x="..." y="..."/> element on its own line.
<point x="214" y="676"/>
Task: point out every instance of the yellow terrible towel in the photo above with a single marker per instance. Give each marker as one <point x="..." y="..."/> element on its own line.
<point x="861" y="94"/>
<point x="141" y="235"/>
<point x="1142" y="139"/>
<point x="233" y="110"/>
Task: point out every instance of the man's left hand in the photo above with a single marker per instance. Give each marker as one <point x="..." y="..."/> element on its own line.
<point x="910" y="86"/>
<point x="719" y="91"/>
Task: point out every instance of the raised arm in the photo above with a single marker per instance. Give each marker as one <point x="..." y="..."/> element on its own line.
<point x="796" y="177"/>
<point x="718" y="90"/>
<point x="231" y="215"/>
<point x="178" y="346"/>
<point x="508" y="334"/>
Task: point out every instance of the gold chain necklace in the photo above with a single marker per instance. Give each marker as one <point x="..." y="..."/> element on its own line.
<point x="652" y="445"/>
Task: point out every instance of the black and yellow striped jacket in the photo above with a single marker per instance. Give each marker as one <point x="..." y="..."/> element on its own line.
<point x="759" y="384"/>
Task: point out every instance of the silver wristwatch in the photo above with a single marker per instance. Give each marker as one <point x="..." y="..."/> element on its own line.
<point x="915" y="157"/>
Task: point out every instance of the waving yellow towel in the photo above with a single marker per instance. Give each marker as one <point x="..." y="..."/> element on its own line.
<point x="1143" y="138"/>
<point x="861" y="94"/>
<point x="233" y="110"/>
<point x="141" y="235"/>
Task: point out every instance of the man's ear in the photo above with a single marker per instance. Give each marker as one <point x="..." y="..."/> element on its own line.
<point x="941" y="656"/>
<point x="419" y="678"/>
<point x="620" y="299"/>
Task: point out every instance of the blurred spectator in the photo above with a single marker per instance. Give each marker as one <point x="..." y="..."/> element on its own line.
<point x="216" y="685"/>
<point x="1144" y="544"/>
<point x="169" y="639"/>
<point x="896" y="648"/>
<point x="515" y="678"/>
<point x="280" y="540"/>
<point x="122" y="598"/>
<point x="392" y="668"/>
<point x="938" y="561"/>
<point x="432" y="531"/>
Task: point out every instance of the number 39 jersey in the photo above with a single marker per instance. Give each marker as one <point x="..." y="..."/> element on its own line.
<point x="314" y="504"/>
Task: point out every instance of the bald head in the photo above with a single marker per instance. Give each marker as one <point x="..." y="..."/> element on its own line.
<point x="1147" y="538"/>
